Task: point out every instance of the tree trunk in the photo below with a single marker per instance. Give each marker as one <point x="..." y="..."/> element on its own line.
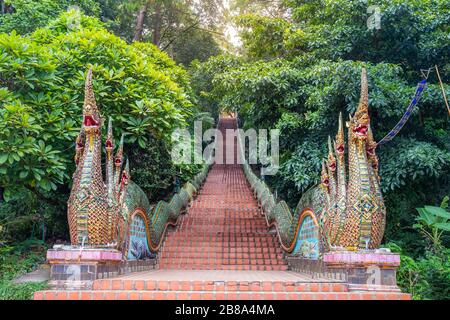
<point x="140" y="23"/>
<point x="158" y="23"/>
<point x="5" y="8"/>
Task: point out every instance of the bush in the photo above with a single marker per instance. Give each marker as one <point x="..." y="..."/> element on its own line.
<point x="30" y="14"/>
<point x="18" y="260"/>
<point x="425" y="278"/>
<point x="41" y="92"/>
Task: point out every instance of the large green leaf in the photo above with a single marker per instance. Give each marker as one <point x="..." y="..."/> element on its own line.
<point x="437" y="211"/>
<point x="443" y="226"/>
<point x="425" y="216"/>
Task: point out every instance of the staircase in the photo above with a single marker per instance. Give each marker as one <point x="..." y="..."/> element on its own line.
<point x="221" y="250"/>
<point x="223" y="230"/>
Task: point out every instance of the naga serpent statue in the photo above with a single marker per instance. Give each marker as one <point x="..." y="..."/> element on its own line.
<point x="115" y="213"/>
<point x="343" y="211"/>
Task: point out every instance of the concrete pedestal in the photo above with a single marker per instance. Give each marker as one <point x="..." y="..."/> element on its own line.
<point x="75" y="268"/>
<point x="365" y="270"/>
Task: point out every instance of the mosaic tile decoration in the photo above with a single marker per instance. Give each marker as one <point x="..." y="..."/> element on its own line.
<point x="307" y="244"/>
<point x="348" y="203"/>
<point x="100" y="213"/>
<point x="138" y="249"/>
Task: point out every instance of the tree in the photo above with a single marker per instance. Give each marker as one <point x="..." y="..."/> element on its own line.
<point x="265" y="8"/>
<point x="5" y="7"/>
<point x="140" y="22"/>
<point x="169" y="25"/>
<point x="24" y="16"/>
<point x="298" y="73"/>
<point x="41" y="93"/>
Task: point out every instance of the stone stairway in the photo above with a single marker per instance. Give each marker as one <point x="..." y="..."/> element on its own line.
<point x="223" y="230"/>
<point x="221" y="249"/>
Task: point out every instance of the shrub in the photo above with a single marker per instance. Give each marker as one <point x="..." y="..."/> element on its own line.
<point x="15" y="261"/>
<point x="41" y="95"/>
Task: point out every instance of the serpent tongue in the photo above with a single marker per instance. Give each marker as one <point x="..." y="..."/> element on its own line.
<point x="361" y="129"/>
<point x="89" y="121"/>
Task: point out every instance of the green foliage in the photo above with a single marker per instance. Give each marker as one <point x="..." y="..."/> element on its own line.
<point x="42" y="78"/>
<point x="194" y="45"/>
<point x="435" y="270"/>
<point x="433" y="222"/>
<point x="299" y="72"/>
<point x="266" y="37"/>
<point x="15" y="261"/>
<point x="426" y="278"/>
<point x="408" y="161"/>
<point x="187" y="30"/>
<point x="41" y="92"/>
<point x="412" y="33"/>
<point x="409" y="277"/>
<point x="28" y="15"/>
<point x="202" y="76"/>
<point x="25" y="291"/>
<point x="151" y="170"/>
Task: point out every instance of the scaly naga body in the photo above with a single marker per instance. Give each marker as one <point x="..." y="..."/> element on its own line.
<point x="347" y="211"/>
<point x="362" y="224"/>
<point x="102" y="213"/>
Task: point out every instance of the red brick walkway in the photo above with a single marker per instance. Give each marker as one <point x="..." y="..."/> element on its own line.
<point x="224" y="228"/>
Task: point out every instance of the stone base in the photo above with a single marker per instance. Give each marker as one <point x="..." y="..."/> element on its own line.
<point x="74" y="268"/>
<point x="363" y="270"/>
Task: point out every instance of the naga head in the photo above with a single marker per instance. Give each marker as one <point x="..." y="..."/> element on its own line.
<point x="91" y="115"/>
<point x="109" y="138"/>
<point x="119" y="155"/>
<point x="339" y="145"/>
<point x="125" y="177"/>
<point x="359" y="123"/>
<point x="324" y="178"/>
<point x="331" y="163"/>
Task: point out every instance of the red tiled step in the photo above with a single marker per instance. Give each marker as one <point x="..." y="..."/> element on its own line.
<point x="212" y="265"/>
<point x="207" y="265"/>
<point x="177" y="285"/>
<point x="214" y="295"/>
<point x="214" y="255"/>
<point x="224" y="261"/>
<point x="220" y="249"/>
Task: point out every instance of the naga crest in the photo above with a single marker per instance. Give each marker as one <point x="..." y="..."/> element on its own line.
<point x="331" y="161"/>
<point x="360" y="122"/>
<point x="339" y="144"/>
<point x="91" y="115"/>
<point x="325" y="179"/>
